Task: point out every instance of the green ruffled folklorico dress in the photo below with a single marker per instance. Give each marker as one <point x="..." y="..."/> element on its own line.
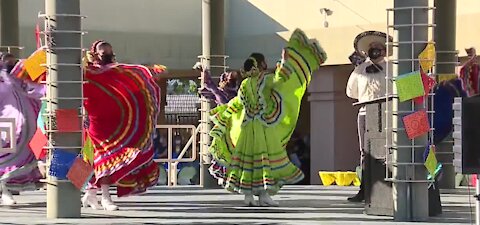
<point x="250" y="133"/>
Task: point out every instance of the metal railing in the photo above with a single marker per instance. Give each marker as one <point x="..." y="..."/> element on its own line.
<point x="172" y="163"/>
<point x="9" y="48"/>
<point x="205" y="108"/>
<point x="8" y="127"/>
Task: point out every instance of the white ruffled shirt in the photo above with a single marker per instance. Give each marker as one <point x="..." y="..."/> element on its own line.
<point x="365" y="86"/>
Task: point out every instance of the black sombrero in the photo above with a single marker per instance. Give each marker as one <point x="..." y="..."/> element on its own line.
<point x="363" y="40"/>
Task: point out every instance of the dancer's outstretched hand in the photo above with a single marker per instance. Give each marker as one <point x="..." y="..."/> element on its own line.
<point x="198" y="66"/>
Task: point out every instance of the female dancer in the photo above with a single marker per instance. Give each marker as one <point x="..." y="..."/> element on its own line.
<point x="226" y="90"/>
<point x="261" y="120"/>
<point x="122" y="102"/>
<point x="19" y="100"/>
<point x="227" y="87"/>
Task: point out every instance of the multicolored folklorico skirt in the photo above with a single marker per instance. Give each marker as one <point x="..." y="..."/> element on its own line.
<point x="122" y="103"/>
<point x="250" y="133"/>
<point x="21" y="101"/>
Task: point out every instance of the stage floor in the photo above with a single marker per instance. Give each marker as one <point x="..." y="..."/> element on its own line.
<point x="192" y="205"/>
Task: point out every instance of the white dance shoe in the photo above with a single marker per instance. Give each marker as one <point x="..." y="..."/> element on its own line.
<point x="250" y="201"/>
<point x="7" y="198"/>
<point x="107" y="202"/>
<point x="266" y="200"/>
<point x="90" y="200"/>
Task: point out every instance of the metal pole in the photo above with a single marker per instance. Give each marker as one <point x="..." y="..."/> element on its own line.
<point x="445" y="38"/>
<point x="217" y="20"/>
<point x="9" y="26"/>
<point x="205" y="105"/>
<point x="477" y="202"/>
<point x="64" y="91"/>
<point x="213" y="43"/>
<point x="410" y="197"/>
<point x="206" y="29"/>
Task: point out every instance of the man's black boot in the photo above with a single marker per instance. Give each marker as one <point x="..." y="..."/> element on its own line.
<point x="360" y="196"/>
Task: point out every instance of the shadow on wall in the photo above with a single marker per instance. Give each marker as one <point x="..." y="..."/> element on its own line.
<point x="171" y="40"/>
<point x="176" y="51"/>
<point x="251" y="30"/>
<point x="152" y="32"/>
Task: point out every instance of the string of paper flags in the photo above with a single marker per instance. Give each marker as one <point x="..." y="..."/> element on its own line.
<point x="63" y="164"/>
<point x="416" y="86"/>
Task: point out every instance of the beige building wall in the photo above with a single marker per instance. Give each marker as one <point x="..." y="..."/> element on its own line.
<point x="260" y="25"/>
<point x="264" y="25"/>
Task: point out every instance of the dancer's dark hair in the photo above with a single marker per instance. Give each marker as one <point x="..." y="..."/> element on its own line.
<point x="254" y="60"/>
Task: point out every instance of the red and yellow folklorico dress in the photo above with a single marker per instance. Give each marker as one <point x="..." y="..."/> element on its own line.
<point x="122" y="103"/>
